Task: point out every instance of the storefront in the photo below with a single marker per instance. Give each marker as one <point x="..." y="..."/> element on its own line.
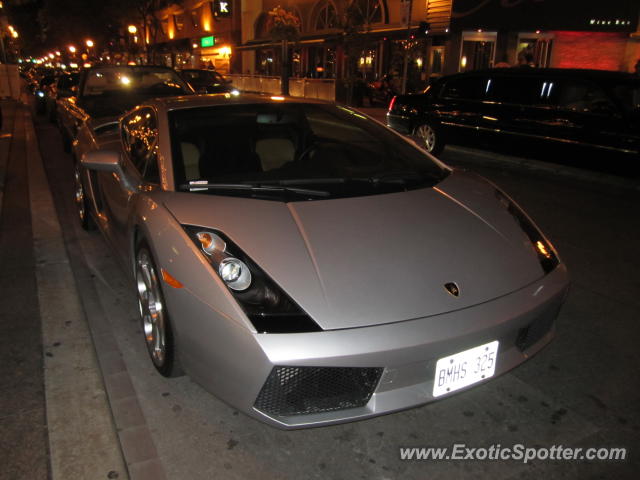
<point x="542" y="33"/>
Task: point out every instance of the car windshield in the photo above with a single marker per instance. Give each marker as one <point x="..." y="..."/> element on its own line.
<point x="202" y="77"/>
<point x="111" y="91"/>
<point x="313" y="150"/>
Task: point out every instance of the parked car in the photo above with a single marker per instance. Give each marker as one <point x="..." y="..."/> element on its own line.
<point x="105" y="92"/>
<point x="42" y="91"/>
<point x="64" y="87"/>
<point x="207" y="81"/>
<point x="308" y="265"/>
<point x="588" y="108"/>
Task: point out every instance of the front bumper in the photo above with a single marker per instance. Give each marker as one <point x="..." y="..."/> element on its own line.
<point x="234" y="363"/>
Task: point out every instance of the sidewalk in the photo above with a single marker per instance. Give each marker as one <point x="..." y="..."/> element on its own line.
<point x="24" y="440"/>
<point x="55" y="418"/>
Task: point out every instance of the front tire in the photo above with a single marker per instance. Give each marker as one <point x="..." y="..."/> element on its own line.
<point x="82" y="204"/>
<point x="430" y="138"/>
<point x="156" y="326"/>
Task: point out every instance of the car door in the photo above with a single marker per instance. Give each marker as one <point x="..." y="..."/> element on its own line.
<point x="587" y="115"/>
<point x="139" y="133"/>
<point x="626" y="95"/>
<point x="516" y="106"/>
<point x="457" y="104"/>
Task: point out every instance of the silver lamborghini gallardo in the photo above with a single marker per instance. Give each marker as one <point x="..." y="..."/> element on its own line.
<point x="309" y="266"/>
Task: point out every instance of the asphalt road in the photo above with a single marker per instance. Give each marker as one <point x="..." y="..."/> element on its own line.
<point x="580" y="391"/>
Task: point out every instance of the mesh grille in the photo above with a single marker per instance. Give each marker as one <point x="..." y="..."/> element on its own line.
<point x="537" y="329"/>
<point x="303" y="390"/>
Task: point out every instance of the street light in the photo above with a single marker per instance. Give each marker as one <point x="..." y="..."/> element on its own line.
<point x="132" y="29"/>
<point x="89" y="43"/>
<point x="72" y="49"/>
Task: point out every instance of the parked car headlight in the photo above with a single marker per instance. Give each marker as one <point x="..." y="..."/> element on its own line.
<point x="264" y="302"/>
<point x="545" y="252"/>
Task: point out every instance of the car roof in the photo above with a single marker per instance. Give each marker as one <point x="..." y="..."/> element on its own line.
<point x="194" y="101"/>
<point x="134" y="67"/>
<point x="581" y="73"/>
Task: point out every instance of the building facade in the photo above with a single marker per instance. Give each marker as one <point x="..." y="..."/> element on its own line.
<point x="544" y="33"/>
<point x="197" y="33"/>
<point x="414" y="39"/>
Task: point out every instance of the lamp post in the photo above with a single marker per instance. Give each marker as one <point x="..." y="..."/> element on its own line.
<point x="89" y="43"/>
<point x="133" y="30"/>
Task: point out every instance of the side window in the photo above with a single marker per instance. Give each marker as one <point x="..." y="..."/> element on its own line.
<point x="516" y="90"/>
<point x="580" y="96"/>
<point x="464" y="88"/>
<point x="140" y="138"/>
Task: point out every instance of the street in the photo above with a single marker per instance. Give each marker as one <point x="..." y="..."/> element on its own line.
<point x="580" y="391"/>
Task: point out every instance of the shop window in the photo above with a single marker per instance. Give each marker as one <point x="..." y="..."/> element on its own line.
<point x="179" y="21"/>
<point x="263" y="25"/>
<point x="368" y="11"/>
<point x="326" y="17"/>
<point x="478" y="50"/>
<point x="195" y="17"/>
<point x="164" y="26"/>
<point x="322" y="62"/>
<point x="437" y="60"/>
<point x="534" y="50"/>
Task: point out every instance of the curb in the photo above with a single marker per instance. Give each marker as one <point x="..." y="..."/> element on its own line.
<point x="83" y="440"/>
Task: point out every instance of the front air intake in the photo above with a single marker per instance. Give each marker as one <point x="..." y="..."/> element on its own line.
<point x="306" y="390"/>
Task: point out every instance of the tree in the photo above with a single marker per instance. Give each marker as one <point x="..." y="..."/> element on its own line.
<point x="285" y="28"/>
<point x="144" y="14"/>
<point x="355" y="24"/>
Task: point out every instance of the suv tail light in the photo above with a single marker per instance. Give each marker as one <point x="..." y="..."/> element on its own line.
<point x="393" y="101"/>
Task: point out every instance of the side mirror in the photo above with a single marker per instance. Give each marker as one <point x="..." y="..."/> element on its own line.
<point x="102" y="160"/>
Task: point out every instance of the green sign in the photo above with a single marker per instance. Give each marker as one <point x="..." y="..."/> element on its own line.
<point x="207" y="41"/>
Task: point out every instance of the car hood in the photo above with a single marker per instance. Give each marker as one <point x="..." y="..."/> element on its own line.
<point x="377" y="259"/>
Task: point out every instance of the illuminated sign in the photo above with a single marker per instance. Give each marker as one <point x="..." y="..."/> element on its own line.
<point x="222" y="8"/>
<point x="207" y="41"/>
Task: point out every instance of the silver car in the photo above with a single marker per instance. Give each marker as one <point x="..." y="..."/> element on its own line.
<point x="308" y="265"/>
<point x="105" y="92"/>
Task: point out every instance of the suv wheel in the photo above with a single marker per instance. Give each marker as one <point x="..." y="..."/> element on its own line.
<point x="430" y="138"/>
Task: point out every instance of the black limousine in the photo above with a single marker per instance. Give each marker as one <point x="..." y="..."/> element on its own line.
<point x="588" y="108"/>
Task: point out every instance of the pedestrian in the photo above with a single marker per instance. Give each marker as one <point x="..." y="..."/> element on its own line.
<point x="503" y="63"/>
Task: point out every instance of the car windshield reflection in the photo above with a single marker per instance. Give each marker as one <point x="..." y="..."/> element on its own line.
<point x="310" y="146"/>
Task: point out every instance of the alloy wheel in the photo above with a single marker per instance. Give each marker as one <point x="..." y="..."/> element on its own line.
<point x="152" y="308"/>
<point x="79" y="197"/>
<point x="428" y="136"/>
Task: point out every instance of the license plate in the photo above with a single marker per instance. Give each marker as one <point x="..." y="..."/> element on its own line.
<point x="465" y="368"/>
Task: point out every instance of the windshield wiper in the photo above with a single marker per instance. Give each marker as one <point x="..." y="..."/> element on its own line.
<point x="397" y="177"/>
<point x="252" y="187"/>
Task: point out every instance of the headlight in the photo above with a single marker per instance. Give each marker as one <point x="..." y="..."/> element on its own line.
<point x="235" y="92"/>
<point x="545" y="252"/>
<point x="40" y="93"/>
<point x="235" y="274"/>
<point x="265" y="303"/>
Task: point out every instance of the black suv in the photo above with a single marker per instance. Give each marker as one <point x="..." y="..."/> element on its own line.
<point x="588" y="108"/>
